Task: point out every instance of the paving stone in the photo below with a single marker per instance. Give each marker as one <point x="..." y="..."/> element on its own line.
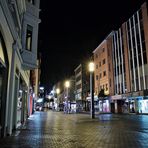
<point x="57" y="130"/>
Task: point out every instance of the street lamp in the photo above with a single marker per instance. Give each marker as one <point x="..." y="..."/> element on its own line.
<point x="91" y="70"/>
<point x="67" y="85"/>
<point x="57" y="90"/>
<point x="58" y="102"/>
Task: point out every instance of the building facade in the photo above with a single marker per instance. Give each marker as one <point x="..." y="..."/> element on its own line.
<point x="130" y="60"/>
<point x="82" y="86"/>
<point x="19" y="21"/>
<point x="103" y="73"/>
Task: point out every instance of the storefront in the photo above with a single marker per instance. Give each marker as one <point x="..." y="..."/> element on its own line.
<point x="104" y="105"/>
<point x="119" y="104"/>
<point x="30" y="102"/>
<point x="96" y="103"/>
<point x="21" y="112"/>
<point x="135" y="101"/>
<point x="143" y="105"/>
<point x="80" y="105"/>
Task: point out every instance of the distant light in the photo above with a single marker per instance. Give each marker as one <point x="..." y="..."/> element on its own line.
<point x="20" y="91"/>
<point x="41" y="88"/>
<point x="49" y="97"/>
<point x="57" y="90"/>
<point x="52" y="92"/>
<point x="33" y="95"/>
<point x="67" y="84"/>
<point x="91" y="67"/>
<point x="40" y="100"/>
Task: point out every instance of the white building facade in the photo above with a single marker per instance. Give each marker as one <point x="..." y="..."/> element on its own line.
<point x="19" y="20"/>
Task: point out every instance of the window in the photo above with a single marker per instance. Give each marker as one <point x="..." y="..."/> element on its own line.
<point x="104" y="73"/>
<point x="78" y="86"/>
<point x="103" y="61"/>
<point x="106" y="86"/>
<point x="140" y="14"/>
<point x="97" y="66"/>
<point x="100" y="75"/>
<point x="97" y="77"/>
<point x="96" y="55"/>
<point x="100" y="64"/>
<point x="100" y="87"/>
<point x="29" y="37"/>
<point x="103" y="49"/>
<point x="2" y="57"/>
<point x="31" y="1"/>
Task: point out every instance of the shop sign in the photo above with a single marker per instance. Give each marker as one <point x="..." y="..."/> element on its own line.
<point x="116" y="97"/>
<point x="135" y="94"/>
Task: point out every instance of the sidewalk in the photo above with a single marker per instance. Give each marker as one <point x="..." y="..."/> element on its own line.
<point x="58" y="130"/>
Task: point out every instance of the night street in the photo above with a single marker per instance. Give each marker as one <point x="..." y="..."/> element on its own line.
<point x="57" y="130"/>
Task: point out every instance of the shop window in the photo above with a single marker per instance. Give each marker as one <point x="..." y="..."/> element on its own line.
<point x="19" y="105"/>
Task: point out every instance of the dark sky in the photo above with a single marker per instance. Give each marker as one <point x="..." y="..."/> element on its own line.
<point x="71" y="30"/>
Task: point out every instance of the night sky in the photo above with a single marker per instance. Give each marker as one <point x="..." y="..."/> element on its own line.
<point x="71" y="30"/>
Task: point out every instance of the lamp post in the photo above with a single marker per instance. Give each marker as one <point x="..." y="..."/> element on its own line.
<point x="58" y="91"/>
<point x="67" y="85"/>
<point x="91" y="70"/>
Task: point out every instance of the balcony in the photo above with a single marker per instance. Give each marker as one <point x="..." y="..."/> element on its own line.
<point x="29" y="60"/>
<point x="33" y="10"/>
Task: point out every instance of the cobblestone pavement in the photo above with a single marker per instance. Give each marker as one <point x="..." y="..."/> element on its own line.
<point x="57" y="130"/>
